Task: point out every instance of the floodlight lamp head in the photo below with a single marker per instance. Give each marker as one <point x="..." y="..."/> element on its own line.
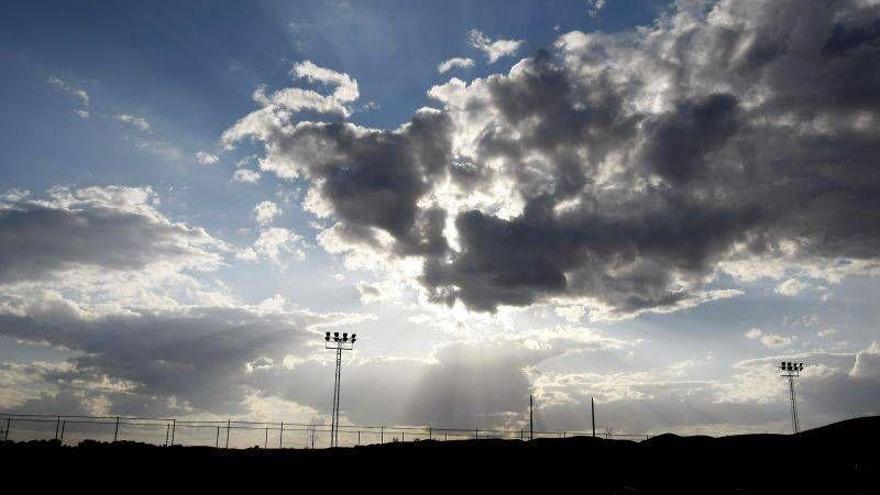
<point x="327" y="336"/>
<point x="353" y="337"/>
<point x="345" y="337"/>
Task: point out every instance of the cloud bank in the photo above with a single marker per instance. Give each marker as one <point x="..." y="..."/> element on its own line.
<point x="626" y="171"/>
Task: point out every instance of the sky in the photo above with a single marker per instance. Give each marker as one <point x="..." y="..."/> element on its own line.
<point x="648" y="203"/>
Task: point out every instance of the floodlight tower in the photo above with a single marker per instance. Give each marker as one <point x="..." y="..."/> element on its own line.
<point x="339" y="344"/>
<point x="792" y="370"/>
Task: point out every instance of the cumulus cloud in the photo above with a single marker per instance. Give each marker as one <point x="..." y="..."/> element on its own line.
<point x="276" y="244"/>
<point x="246" y="175"/>
<point x="80" y="94"/>
<point x="625" y="170"/>
<point x="493" y="49"/>
<point x="205" y="158"/>
<point x="369" y="292"/>
<point x="770" y="340"/>
<point x="278" y="108"/>
<point x="791" y="287"/>
<point x="134" y="121"/>
<point x="266" y="211"/>
<point x="455" y="62"/>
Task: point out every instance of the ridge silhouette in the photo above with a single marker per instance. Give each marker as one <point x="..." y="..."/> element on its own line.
<point x="834" y="459"/>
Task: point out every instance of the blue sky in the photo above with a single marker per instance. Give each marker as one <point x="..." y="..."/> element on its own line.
<point x="667" y="306"/>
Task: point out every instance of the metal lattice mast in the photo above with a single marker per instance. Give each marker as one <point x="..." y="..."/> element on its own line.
<point x="792" y="370"/>
<point x="336" y="390"/>
<point x="339" y="344"/>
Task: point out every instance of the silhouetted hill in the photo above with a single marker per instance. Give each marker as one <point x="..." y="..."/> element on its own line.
<point x="836" y="459"/>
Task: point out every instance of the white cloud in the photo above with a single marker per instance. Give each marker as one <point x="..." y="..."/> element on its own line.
<point x="205" y="158"/>
<point x="594" y="7"/>
<point x="791" y="287"/>
<point x="828" y="332"/>
<point x="769" y="340"/>
<point x="80" y="94"/>
<point x="137" y="122"/>
<point x="346" y="88"/>
<point x="572" y="313"/>
<point x="276" y="244"/>
<point x="453" y="63"/>
<point x="493" y="49"/>
<point x="279" y="108"/>
<point x="369" y="292"/>
<point x="266" y="212"/>
<point x="246" y="175"/>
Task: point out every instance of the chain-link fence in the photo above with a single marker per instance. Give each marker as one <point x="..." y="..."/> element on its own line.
<point x="70" y="430"/>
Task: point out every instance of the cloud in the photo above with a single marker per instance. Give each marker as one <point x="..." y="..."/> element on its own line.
<point x="192" y="360"/>
<point x="630" y="172"/>
<point x="791" y="287"/>
<point x="266" y="211"/>
<point x="278" y="245"/>
<point x="472" y="382"/>
<point x="80" y="94"/>
<point x="828" y="332"/>
<point x="369" y="292"/>
<point x="594" y="7"/>
<point x="493" y="49"/>
<point x="769" y="340"/>
<point x="346" y="88"/>
<point x="279" y="107"/>
<point x="95" y="230"/>
<point x="246" y="175"/>
<point x="137" y="122"/>
<point x="205" y="158"/>
<point x="453" y="63"/>
<point x="572" y="313"/>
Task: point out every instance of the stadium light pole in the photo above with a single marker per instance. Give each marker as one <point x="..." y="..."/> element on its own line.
<point x="792" y="370"/>
<point x="339" y="344"/>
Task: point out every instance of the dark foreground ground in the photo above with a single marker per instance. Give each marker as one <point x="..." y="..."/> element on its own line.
<point x="837" y="459"/>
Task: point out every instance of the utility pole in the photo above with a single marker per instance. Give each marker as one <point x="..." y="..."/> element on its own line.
<point x="531" y="418"/>
<point x="792" y="370"/>
<point x="593" y="415"/>
<point x="338" y="344"/>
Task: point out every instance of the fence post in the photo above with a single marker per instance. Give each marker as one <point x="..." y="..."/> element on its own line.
<point x="359" y="437"/>
<point x="228" y="427"/>
<point x="430" y="434"/>
<point x="381" y="435"/>
<point x="217" y="438"/>
<point x="476" y="434"/>
<point x="403" y="437"/>
<point x="266" y="444"/>
<point x="63" y="424"/>
<point x="57" y="426"/>
<point x="116" y="430"/>
<point x="173" y="429"/>
<point x="6" y="433"/>
<point x="281" y="436"/>
<point x="446" y="436"/>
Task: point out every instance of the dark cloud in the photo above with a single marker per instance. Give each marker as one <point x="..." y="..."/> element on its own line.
<point x="169" y="362"/>
<point x="632" y="164"/>
<point x="113" y="228"/>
